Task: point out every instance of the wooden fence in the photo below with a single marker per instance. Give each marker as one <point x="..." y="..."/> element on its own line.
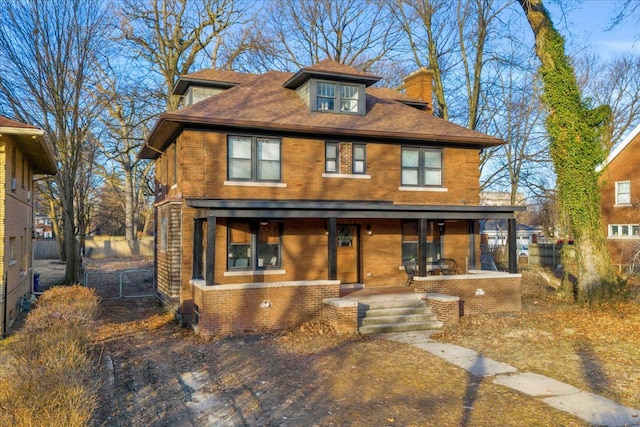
<point x="46" y="249"/>
<point x="545" y="254"/>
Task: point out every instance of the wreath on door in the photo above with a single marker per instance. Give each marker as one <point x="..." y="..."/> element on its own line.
<point x="345" y="237"/>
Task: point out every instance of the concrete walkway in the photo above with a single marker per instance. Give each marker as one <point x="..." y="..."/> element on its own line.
<point x="594" y="409"/>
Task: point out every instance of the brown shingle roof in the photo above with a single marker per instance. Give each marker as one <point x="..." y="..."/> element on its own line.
<point x="33" y="144"/>
<point x="212" y="77"/>
<point x="331" y="70"/>
<point x="263" y="104"/>
<point x="5" y="122"/>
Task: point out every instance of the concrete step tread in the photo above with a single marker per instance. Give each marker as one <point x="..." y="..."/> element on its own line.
<point x="412" y="318"/>
<point x="377" y="304"/>
<point x="394" y="311"/>
<point x="400" y="327"/>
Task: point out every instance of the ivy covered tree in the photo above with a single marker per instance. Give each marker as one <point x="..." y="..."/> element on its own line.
<point x="577" y="134"/>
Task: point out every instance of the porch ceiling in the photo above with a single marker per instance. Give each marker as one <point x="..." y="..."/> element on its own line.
<point x="346" y="209"/>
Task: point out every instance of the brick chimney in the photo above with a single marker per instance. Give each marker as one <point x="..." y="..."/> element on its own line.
<point x="419" y="85"/>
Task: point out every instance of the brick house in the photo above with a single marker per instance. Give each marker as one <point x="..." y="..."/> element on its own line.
<point x="24" y="151"/>
<point x="276" y="192"/>
<point x="620" y="200"/>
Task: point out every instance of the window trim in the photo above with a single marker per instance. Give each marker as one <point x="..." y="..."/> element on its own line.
<point x="618" y="193"/>
<point x="421" y="168"/>
<point x="255" y="162"/>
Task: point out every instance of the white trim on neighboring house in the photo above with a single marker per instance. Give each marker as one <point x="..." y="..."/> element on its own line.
<point x="621" y="146"/>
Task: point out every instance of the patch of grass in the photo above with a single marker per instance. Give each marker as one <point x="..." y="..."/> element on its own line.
<point x="53" y="380"/>
<point x="594" y="348"/>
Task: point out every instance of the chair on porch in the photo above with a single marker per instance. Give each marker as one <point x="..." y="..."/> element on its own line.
<point x="448" y="266"/>
<point x="411" y="268"/>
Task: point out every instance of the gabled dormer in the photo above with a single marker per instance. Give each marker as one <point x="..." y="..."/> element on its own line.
<point x="198" y="86"/>
<point x="332" y="87"/>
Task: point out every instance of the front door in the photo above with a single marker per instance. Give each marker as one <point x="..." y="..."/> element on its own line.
<point x="348" y="253"/>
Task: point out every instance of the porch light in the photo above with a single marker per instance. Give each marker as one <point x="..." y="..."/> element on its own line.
<point x="441" y="227"/>
<point x="369" y="232"/>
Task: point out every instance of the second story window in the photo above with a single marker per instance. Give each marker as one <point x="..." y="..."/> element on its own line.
<point x="623" y="192"/>
<point x="421" y="167"/>
<point x="253" y="158"/>
<point x="345" y="158"/>
<point x="359" y="158"/>
<point x="332" y="161"/>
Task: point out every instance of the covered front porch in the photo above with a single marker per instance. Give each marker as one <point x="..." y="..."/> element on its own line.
<point x="310" y="243"/>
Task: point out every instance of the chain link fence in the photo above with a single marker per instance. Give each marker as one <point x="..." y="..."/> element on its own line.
<point x="132" y="283"/>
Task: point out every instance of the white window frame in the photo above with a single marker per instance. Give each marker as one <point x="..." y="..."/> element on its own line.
<point x="623" y="231"/>
<point x="623" y="198"/>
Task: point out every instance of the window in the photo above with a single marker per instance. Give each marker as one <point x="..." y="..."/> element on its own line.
<point x="332" y="150"/>
<point x="175" y="164"/>
<point x="326" y="99"/>
<point x="345" y="158"/>
<point x="164" y="234"/>
<point x="253" y="158"/>
<point x="359" y="157"/>
<point x="410" y="240"/>
<point x="623" y="192"/>
<point x="254" y="245"/>
<point x="624" y="230"/>
<point x="339" y="97"/>
<point x="421" y="167"/>
<point x="348" y="98"/>
<point x="12" y="250"/>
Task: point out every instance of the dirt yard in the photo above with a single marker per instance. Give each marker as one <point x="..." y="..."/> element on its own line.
<point x="156" y="373"/>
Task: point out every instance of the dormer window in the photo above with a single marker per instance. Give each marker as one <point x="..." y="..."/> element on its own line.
<point x="334" y="97"/>
<point x="332" y="87"/>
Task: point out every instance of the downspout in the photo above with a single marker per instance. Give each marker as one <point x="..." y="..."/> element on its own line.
<point x="4" y="306"/>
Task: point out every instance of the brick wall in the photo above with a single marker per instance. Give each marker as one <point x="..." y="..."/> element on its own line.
<point x="169" y="254"/>
<point x="478" y="293"/>
<point x="342" y="317"/>
<point x="227" y="309"/>
<point x="16" y="230"/>
<point x="622" y="168"/>
<point x="202" y="164"/>
<point x="445" y="307"/>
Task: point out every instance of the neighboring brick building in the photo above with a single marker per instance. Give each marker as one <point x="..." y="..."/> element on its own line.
<point x="274" y="190"/>
<point x="620" y="181"/>
<point x="24" y="152"/>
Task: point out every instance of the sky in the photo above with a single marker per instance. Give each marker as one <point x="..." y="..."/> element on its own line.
<point x="586" y="27"/>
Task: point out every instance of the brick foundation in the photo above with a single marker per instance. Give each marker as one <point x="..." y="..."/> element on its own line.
<point x="229" y="309"/>
<point x="482" y="292"/>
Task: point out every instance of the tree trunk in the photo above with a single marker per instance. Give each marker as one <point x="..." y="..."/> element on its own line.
<point x="129" y="213"/>
<point x="576" y="148"/>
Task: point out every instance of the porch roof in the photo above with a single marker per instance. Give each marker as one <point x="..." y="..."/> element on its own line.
<point x="346" y="209"/>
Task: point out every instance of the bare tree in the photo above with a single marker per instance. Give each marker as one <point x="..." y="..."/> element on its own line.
<point x="616" y="83"/>
<point x="456" y="40"/>
<point x="128" y="107"/>
<point x="294" y="33"/>
<point x="47" y="52"/>
<point x="518" y="118"/>
<point x="172" y="36"/>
